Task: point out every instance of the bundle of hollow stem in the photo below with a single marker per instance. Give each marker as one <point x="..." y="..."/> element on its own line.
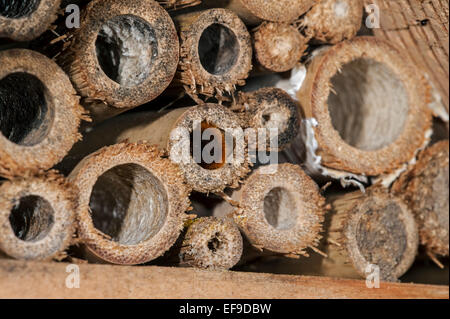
<point x="248" y="110"/>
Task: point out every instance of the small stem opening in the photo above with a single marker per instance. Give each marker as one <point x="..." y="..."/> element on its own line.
<point x="218" y="49"/>
<point x="25" y="116"/>
<point x="276" y="118"/>
<point x="370" y="106"/>
<point x="15" y="9"/>
<point x="32" y="218"/>
<point x="129" y="204"/>
<point x="126" y="47"/>
<point x="214" y="243"/>
<point x="280" y="209"/>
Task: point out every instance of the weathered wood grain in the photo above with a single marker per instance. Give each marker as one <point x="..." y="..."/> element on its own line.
<point x="20" y="279"/>
<point x="420" y="27"/>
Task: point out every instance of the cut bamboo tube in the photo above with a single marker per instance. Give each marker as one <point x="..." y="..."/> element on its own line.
<point x="271" y="108"/>
<point x="216" y="52"/>
<point x="254" y="12"/>
<point x="132" y="203"/>
<point x="39" y="113"/>
<point x="125" y="54"/>
<point x="24" y="20"/>
<point x="37" y="216"/>
<point x="332" y="21"/>
<point x="278" y="46"/>
<point x="376" y="229"/>
<point x="211" y="243"/>
<point x="179" y="4"/>
<point x="219" y="207"/>
<point x="425" y="189"/>
<point x="173" y="131"/>
<point x="368" y="105"/>
<point x="278" y="208"/>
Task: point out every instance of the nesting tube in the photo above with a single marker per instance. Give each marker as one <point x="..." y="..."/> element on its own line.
<point x="179" y="4"/>
<point x="425" y="189"/>
<point x="124" y="54"/>
<point x="176" y="133"/>
<point x="132" y="203"/>
<point x="279" y="209"/>
<point x="211" y="243"/>
<point x="278" y="47"/>
<point x="367" y="106"/>
<point x="333" y="21"/>
<point x="37" y="216"/>
<point x="216" y="52"/>
<point x="254" y="12"/>
<point x="24" y="20"/>
<point x="271" y="109"/>
<point x="372" y="233"/>
<point x="39" y="113"/>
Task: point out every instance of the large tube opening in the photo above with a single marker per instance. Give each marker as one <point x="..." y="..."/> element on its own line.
<point x="126" y="47"/>
<point x="25" y="115"/>
<point x="129" y="204"/>
<point x="368" y="104"/>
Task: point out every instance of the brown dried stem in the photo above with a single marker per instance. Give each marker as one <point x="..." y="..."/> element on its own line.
<point x="173" y="132"/>
<point x="24" y="20"/>
<point x="425" y="189"/>
<point x="279" y="208"/>
<point x="124" y="55"/>
<point x="370" y="105"/>
<point x="278" y="46"/>
<point x="39" y="113"/>
<point x="332" y="21"/>
<point x="376" y="229"/>
<point x="179" y="4"/>
<point x="211" y="243"/>
<point x="37" y="216"/>
<point x="216" y="52"/>
<point x="254" y="12"/>
<point x="132" y="203"/>
<point x="271" y="108"/>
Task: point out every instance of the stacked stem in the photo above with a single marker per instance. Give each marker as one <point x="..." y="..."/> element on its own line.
<point x="37" y="216"/>
<point x="39" y="113"/>
<point x="425" y="188"/>
<point x="24" y="20"/>
<point x="175" y="132"/>
<point x="271" y="108"/>
<point x="369" y="107"/>
<point x="211" y="243"/>
<point x="278" y="208"/>
<point x="124" y="54"/>
<point x="216" y="52"/>
<point x="370" y="230"/>
<point x="132" y="203"/>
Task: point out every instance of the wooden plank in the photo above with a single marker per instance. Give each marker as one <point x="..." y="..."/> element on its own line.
<point x="19" y="279"/>
<point x="421" y="28"/>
